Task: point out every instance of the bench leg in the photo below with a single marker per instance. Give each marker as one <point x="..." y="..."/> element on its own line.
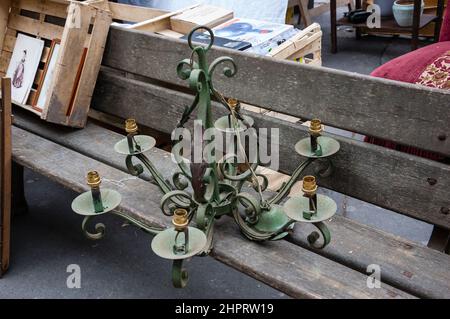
<point x="440" y="240"/>
<point x="19" y="203"/>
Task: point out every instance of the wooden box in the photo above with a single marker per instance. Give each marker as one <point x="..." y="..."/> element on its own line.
<point x="81" y="28"/>
<point x="305" y="47"/>
<point x="205" y="15"/>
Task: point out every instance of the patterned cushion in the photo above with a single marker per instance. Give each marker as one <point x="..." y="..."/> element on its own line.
<point x="410" y="67"/>
<point x="437" y="74"/>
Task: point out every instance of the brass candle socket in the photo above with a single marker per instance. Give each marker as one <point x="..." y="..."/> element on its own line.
<point x="315" y="129"/>
<point x="132" y="129"/>
<point x="309" y="189"/>
<point x="234" y="104"/>
<point x="94" y="181"/>
<point x="180" y="221"/>
<point x="309" y="185"/>
<point x="131" y="126"/>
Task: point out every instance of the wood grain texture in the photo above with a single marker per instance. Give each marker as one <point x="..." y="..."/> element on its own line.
<point x="5" y="174"/>
<point x="69" y="60"/>
<point x="405" y="265"/>
<point x="52" y="8"/>
<point x="396" y="111"/>
<point x="38" y="28"/>
<point x="91" y="68"/>
<point x="285" y="266"/>
<point x="384" y="177"/>
<point x="4" y="14"/>
<point x="129" y="13"/>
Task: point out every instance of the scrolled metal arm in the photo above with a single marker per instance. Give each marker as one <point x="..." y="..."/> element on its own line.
<point x="149" y="229"/>
<point x="324" y="232"/>
<point x="99" y="229"/>
<point x="180" y="275"/>
<point x="227" y="71"/>
<point x="286" y="187"/>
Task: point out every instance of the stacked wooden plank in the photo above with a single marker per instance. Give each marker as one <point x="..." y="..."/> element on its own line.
<point x="5" y="173"/>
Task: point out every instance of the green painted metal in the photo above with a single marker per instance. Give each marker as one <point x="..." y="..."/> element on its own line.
<point x="144" y="142"/>
<point x="327" y="145"/>
<point x="295" y="206"/>
<point x="223" y="124"/>
<point x="210" y="189"/>
<point x="273" y="220"/>
<point x="163" y="243"/>
<point x="84" y="203"/>
<point x="324" y="232"/>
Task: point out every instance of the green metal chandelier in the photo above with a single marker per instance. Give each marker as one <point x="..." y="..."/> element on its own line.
<point x="200" y="193"/>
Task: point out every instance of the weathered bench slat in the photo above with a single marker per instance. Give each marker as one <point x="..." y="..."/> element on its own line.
<point x="396" y="111"/>
<point x="353" y="244"/>
<point x="285" y="266"/>
<point x="374" y="174"/>
<point x="403" y="264"/>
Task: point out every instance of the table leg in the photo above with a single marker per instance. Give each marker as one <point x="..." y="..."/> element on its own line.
<point x="438" y="22"/>
<point x="358" y="5"/>
<point x="303" y="6"/>
<point x="19" y="202"/>
<point x="416" y="24"/>
<point x="333" y="26"/>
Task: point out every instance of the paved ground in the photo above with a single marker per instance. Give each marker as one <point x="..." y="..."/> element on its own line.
<point x="47" y="240"/>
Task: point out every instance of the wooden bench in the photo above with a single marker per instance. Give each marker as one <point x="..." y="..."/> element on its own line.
<point x="138" y="80"/>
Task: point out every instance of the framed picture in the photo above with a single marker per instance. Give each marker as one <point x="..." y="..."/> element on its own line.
<point x="47" y="76"/>
<point x="23" y="66"/>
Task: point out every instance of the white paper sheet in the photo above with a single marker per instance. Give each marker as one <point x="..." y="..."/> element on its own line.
<point x="268" y="10"/>
<point x="23" y="66"/>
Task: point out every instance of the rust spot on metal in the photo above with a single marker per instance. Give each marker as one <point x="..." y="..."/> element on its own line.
<point x="408" y="274"/>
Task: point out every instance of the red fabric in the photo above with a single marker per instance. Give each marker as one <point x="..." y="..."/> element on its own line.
<point x="445" y="28"/>
<point x="409" y="67"/>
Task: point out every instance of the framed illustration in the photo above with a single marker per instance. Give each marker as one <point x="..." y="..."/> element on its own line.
<point x="45" y="82"/>
<point x="23" y="66"/>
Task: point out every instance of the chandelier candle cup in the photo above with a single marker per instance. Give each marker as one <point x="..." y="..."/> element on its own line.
<point x="309" y="189"/>
<point x="94" y="181"/>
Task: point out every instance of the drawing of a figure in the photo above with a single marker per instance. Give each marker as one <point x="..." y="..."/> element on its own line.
<point x="19" y="72"/>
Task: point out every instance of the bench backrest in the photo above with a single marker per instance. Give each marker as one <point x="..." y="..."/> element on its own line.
<point x="146" y="86"/>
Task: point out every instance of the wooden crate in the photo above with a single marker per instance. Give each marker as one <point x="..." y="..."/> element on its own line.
<point x="305" y="47"/>
<point x="82" y="28"/>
